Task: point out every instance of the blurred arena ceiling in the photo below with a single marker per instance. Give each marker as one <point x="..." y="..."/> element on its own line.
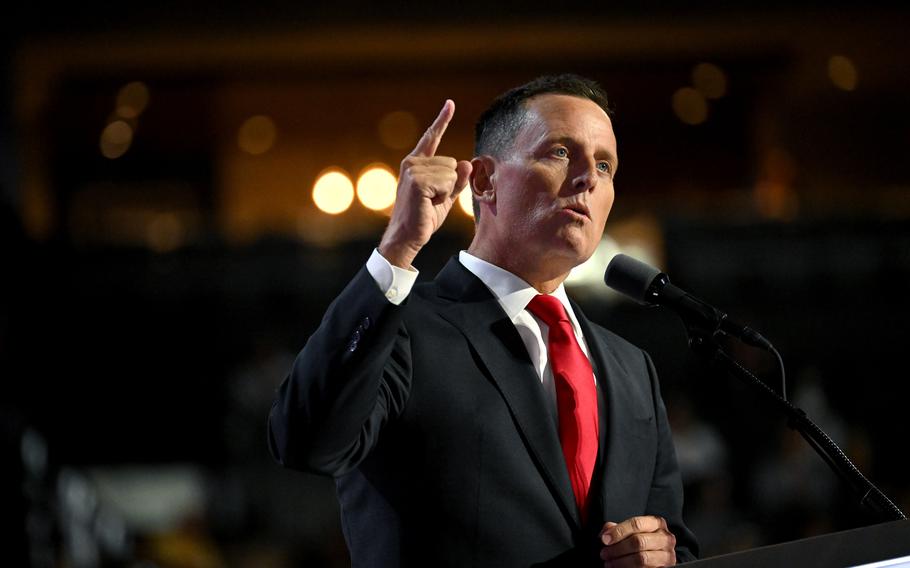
<point x="38" y="18"/>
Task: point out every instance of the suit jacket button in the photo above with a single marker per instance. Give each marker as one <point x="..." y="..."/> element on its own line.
<point x="355" y="337"/>
<point x="365" y="324"/>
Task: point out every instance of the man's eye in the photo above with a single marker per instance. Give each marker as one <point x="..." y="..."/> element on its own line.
<point x="561" y="152"/>
<point x="604" y="166"/>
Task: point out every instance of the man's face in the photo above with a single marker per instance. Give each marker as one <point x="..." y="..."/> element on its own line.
<point x="554" y="187"/>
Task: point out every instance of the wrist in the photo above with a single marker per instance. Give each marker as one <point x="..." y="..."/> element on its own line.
<point x="398" y="253"/>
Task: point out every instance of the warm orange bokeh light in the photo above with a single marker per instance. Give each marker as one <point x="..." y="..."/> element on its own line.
<point x="132" y="99"/>
<point x="376" y="187"/>
<point x="709" y="80"/>
<point x="257" y="135"/>
<point x="842" y="72"/>
<point x="690" y="106"/>
<point x="333" y="191"/>
<point x="466" y="202"/>
<point x="116" y="139"/>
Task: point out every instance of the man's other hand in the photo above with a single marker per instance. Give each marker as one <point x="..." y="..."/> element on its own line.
<point x="428" y="186"/>
<point x="639" y="541"/>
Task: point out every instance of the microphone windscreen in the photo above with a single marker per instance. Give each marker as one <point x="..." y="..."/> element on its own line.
<point x="630" y="276"/>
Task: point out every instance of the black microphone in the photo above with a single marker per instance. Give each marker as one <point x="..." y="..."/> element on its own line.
<point x="648" y="285"/>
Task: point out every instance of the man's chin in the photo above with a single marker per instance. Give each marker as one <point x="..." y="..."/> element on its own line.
<point x="577" y="245"/>
<point x="571" y="252"/>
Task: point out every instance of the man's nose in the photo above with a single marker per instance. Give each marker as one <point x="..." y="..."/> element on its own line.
<point x="586" y="177"/>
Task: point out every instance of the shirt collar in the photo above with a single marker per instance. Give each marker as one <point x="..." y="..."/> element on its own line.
<point x="513" y="293"/>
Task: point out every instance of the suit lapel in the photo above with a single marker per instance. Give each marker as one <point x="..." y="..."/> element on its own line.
<point x="479" y="317"/>
<point x="621" y="403"/>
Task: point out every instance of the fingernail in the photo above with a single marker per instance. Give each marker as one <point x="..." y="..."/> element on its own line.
<point x="607" y="538"/>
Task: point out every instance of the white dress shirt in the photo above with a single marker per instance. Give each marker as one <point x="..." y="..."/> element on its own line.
<point x="512" y="293"/>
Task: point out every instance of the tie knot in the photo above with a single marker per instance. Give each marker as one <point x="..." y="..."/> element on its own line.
<point x="548" y="308"/>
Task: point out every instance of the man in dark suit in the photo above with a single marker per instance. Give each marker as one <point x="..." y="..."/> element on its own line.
<point x="480" y="419"/>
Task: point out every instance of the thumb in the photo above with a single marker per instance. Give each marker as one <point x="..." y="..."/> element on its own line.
<point x="463" y="170"/>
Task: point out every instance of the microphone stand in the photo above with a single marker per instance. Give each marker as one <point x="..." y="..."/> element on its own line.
<point x="704" y="343"/>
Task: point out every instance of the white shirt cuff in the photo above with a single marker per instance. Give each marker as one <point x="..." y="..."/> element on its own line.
<point x="394" y="282"/>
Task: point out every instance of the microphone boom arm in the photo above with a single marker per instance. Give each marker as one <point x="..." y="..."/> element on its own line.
<point x="704" y="324"/>
<point x="867" y="493"/>
<point x="699" y="315"/>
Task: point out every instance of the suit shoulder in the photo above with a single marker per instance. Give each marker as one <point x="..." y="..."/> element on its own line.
<point x="424" y="292"/>
<point x="424" y="288"/>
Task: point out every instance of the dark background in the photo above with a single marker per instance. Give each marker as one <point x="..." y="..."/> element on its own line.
<point x="150" y="304"/>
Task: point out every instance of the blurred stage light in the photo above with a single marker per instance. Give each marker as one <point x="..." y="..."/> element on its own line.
<point x="590" y="274"/>
<point x="116" y="139"/>
<point x="132" y="99"/>
<point x="709" y="80"/>
<point x="690" y="106"/>
<point x="398" y="130"/>
<point x="333" y="191"/>
<point x="842" y="72"/>
<point x="376" y="187"/>
<point x="466" y="202"/>
<point x="637" y="237"/>
<point x="257" y="135"/>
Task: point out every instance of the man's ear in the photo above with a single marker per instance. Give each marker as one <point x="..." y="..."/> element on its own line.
<point x="482" y="175"/>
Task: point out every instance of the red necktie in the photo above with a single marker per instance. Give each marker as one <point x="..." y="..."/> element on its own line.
<point x="576" y="395"/>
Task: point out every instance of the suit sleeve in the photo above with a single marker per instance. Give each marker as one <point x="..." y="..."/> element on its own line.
<point x="666" y="495"/>
<point x="352" y="377"/>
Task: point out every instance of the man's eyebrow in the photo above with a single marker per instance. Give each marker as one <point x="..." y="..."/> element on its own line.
<point x="553" y="139"/>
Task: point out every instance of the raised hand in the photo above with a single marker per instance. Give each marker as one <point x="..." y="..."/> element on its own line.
<point x="428" y="186"/>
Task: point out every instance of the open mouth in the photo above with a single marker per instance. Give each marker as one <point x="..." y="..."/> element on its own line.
<point x="578" y="208"/>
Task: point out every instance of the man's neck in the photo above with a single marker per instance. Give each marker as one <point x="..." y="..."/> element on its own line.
<point x="544" y="278"/>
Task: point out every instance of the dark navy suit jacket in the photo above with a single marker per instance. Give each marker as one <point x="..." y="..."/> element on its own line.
<point x="436" y="427"/>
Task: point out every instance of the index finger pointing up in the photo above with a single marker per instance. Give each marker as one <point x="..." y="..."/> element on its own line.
<point x="430" y="140"/>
